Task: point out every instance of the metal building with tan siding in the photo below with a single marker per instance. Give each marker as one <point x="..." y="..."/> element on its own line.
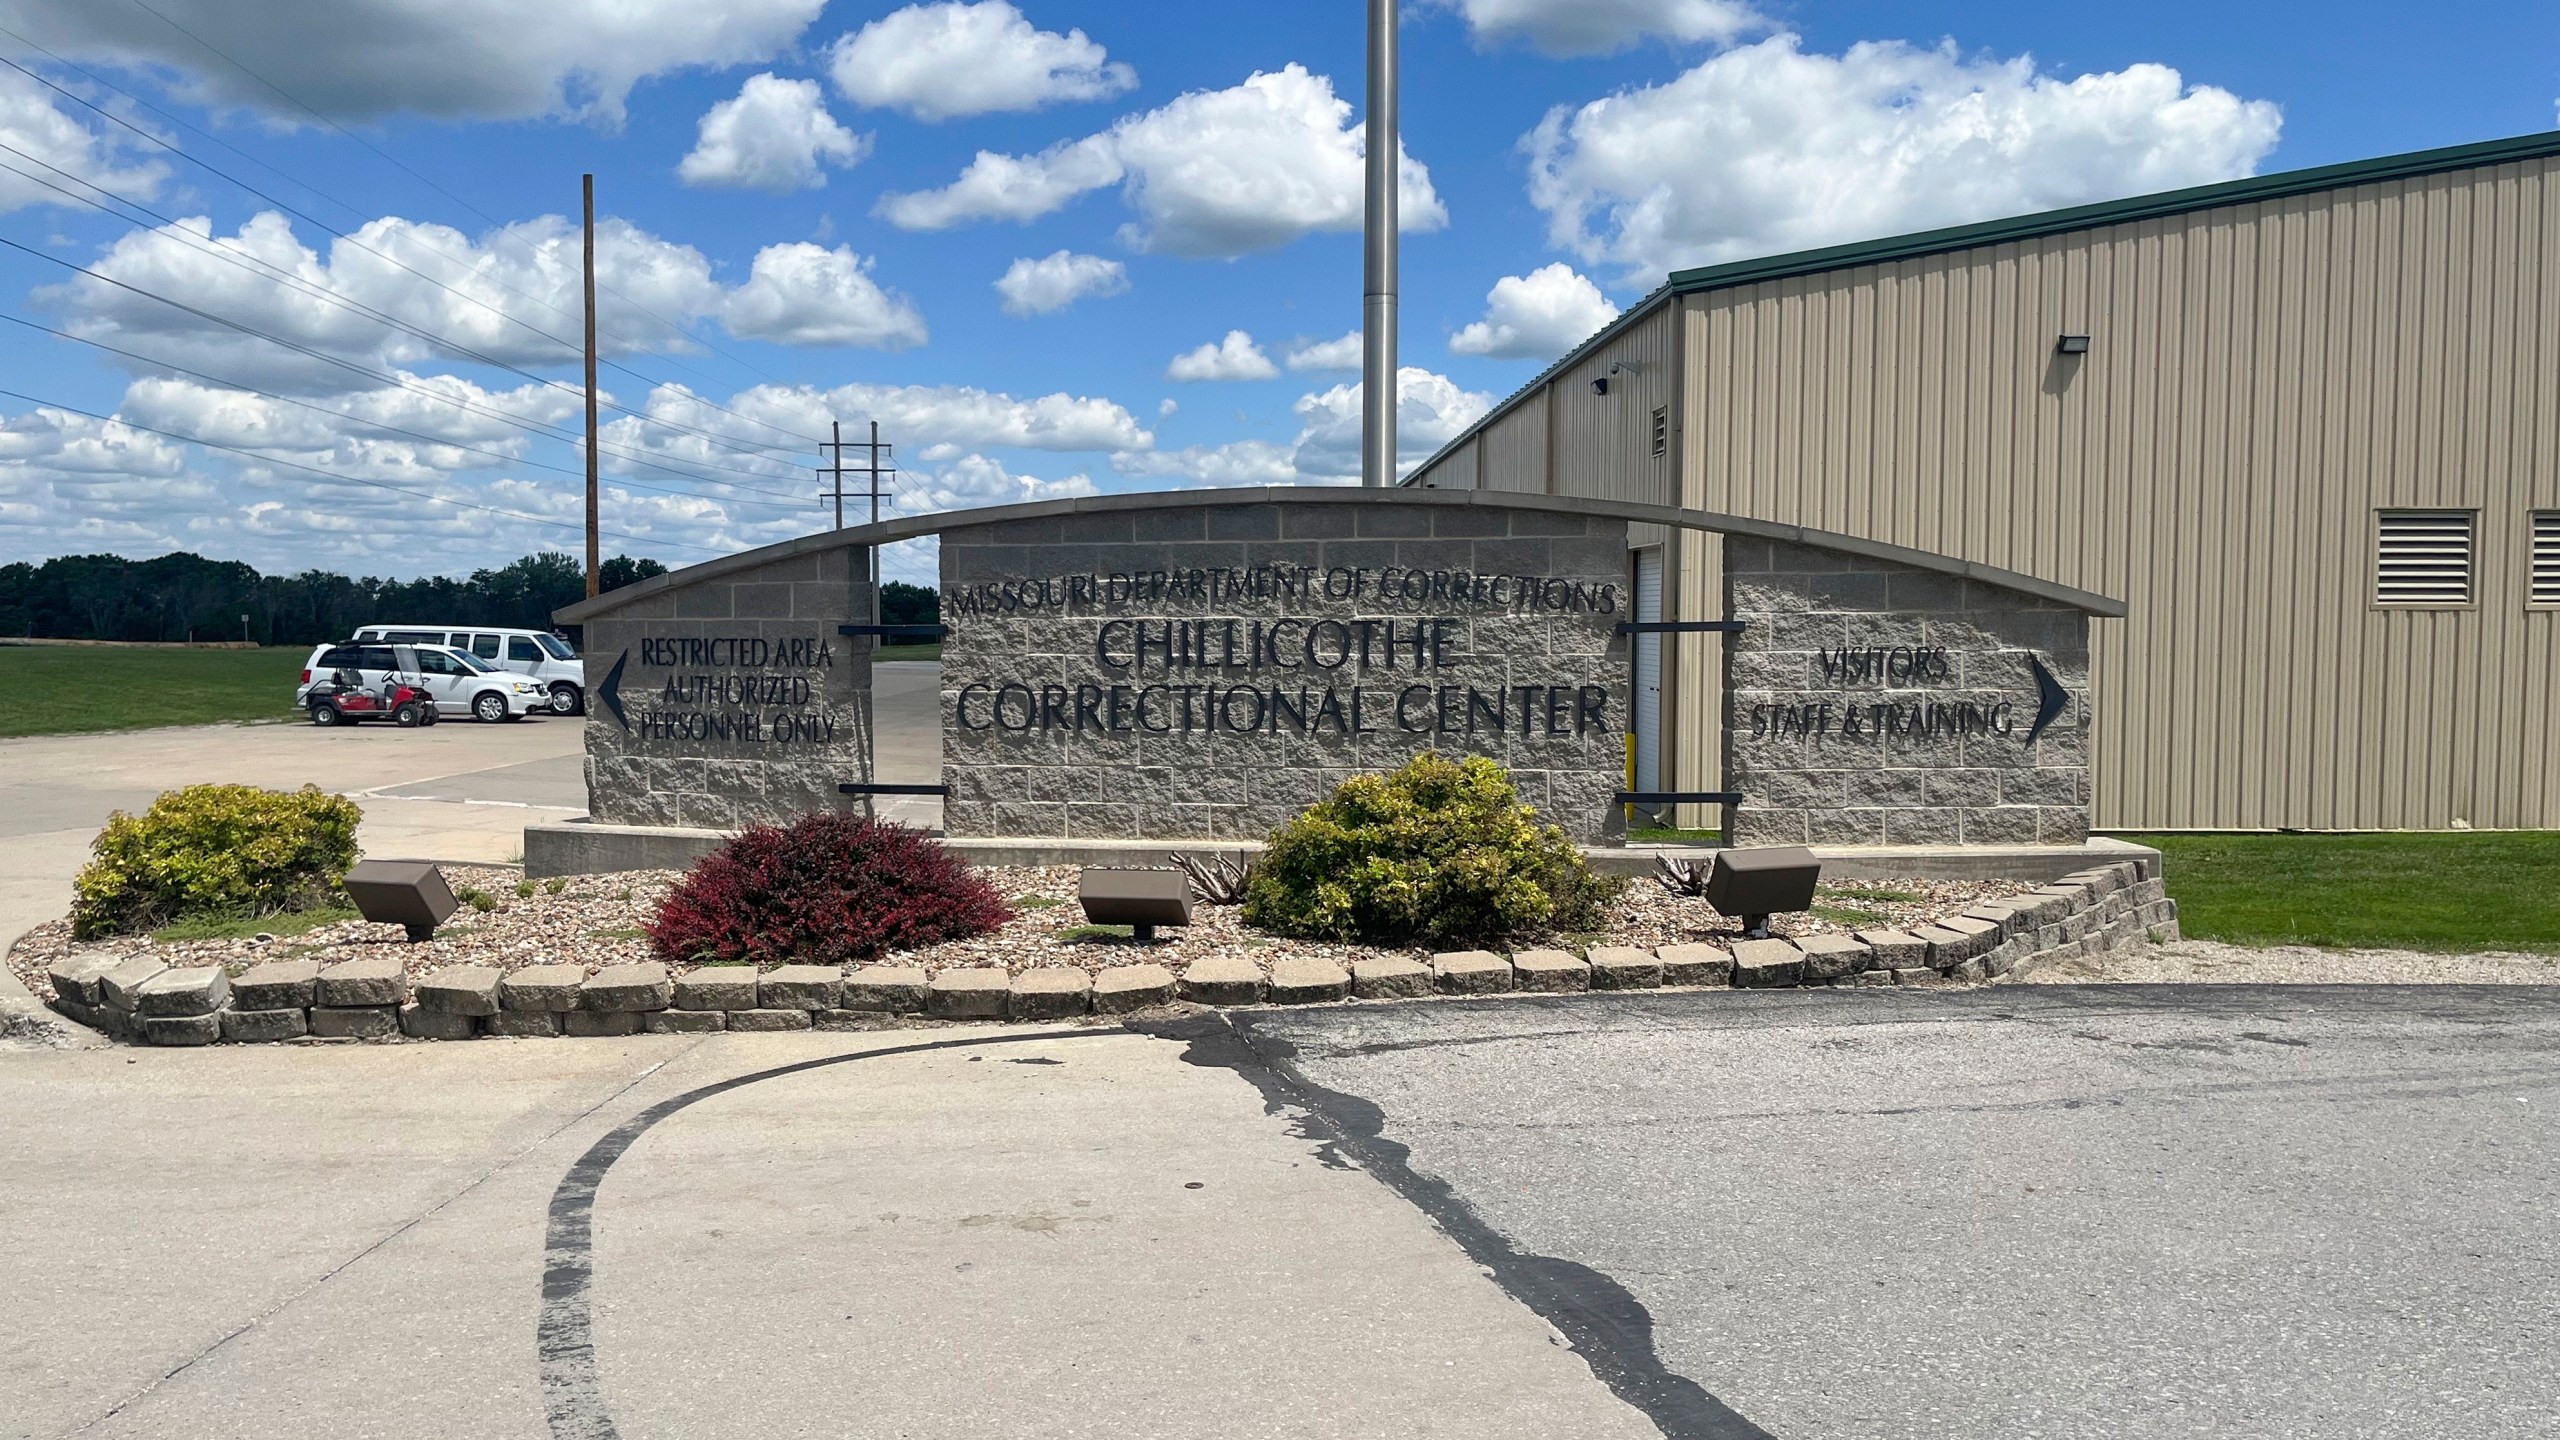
<point x="2306" y="425"/>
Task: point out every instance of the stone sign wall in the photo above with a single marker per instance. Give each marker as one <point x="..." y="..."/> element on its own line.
<point x="733" y="701"/>
<point x="1206" y="672"/>
<point x="1870" y="703"/>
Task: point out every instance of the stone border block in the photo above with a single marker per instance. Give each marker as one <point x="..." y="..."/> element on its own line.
<point x="599" y="1024"/>
<point x="968" y="993"/>
<point x="1389" y="977"/>
<point x="685" y="1022"/>
<point x="75" y="977"/>
<point x="852" y="1020"/>
<point x="354" y="1022"/>
<point x="1470" y="972"/>
<point x="1829" y="957"/>
<point x="800" y="987"/>
<point x="1124" y="988"/>
<point x="525" y="1024"/>
<point x="249" y="1027"/>
<point x="1051" y="992"/>
<point x="1894" y="949"/>
<point x="1222" y="980"/>
<point x="1549" y="972"/>
<point x="1624" y="967"/>
<point x="117" y="984"/>
<point x="1308" y="980"/>
<point x="1766" y="964"/>
<point x="277" y="985"/>
<point x="772" y="1018"/>
<point x="627" y="989"/>
<point x="542" y="989"/>
<point x="194" y="990"/>
<point x="891" y="989"/>
<point x="361" y="984"/>
<point x="461" y="990"/>
<point x="1701" y="965"/>
<point x="201" y="1029"/>
<point x="714" y="987"/>
<point x="418" y="1022"/>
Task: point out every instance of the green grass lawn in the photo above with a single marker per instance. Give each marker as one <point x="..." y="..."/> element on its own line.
<point x="74" y="689"/>
<point x="2444" y="892"/>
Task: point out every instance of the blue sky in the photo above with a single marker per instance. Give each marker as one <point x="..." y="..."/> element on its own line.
<point x="814" y="203"/>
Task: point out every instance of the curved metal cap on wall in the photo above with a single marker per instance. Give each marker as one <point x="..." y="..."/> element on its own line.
<point x="889" y="532"/>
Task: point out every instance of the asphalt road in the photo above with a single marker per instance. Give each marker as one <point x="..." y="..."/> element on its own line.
<point x="2060" y="1212"/>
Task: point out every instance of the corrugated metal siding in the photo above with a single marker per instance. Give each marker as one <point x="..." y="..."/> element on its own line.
<point x="2262" y="378"/>
<point x="1512" y="451"/>
<point x="1603" y="444"/>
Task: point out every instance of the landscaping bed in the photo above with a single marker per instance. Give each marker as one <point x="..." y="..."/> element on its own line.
<point x="595" y="921"/>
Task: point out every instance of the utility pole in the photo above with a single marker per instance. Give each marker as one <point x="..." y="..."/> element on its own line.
<point x="833" y="470"/>
<point x="1378" y="260"/>
<point x="595" y="537"/>
<point x="875" y="476"/>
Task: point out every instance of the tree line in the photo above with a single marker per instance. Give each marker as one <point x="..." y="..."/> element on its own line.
<point x="182" y="596"/>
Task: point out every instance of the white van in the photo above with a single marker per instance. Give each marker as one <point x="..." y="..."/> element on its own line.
<point x="537" y="653"/>
<point x="460" y="683"/>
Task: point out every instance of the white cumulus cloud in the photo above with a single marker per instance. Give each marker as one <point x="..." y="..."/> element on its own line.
<point x="937" y="62"/>
<point x="1234" y="358"/>
<point x="450" y="60"/>
<point x="1213" y="173"/>
<point x="1430" y="411"/>
<point x="1340" y="353"/>
<point x="1765" y="148"/>
<point x="1536" y="316"/>
<point x="1057" y="280"/>
<point x="1596" y="27"/>
<point x="804" y="294"/>
<point x="774" y="135"/>
<point x="43" y="134"/>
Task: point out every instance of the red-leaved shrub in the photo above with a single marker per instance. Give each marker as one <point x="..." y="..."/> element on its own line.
<point x="827" y="889"/>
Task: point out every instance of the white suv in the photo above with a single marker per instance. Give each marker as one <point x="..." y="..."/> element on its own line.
<point x="536" y="653"/>
<point x="460" y="682"/>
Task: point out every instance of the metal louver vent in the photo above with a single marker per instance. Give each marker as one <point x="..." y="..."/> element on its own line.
<point x="2546" y="557"/>
<point x="2423" y="558"/>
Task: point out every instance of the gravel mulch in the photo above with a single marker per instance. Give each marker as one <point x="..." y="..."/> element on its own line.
<point x="593" y="921"/>
<point x="2191" y="962"/>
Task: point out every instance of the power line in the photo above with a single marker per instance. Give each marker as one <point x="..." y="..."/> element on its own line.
<point x="379" y="377"/>
<point x="325" y="226"/>
<point x="209" y="48"/>
<point x="499" y="455"/>
<point x="336" y="478"/>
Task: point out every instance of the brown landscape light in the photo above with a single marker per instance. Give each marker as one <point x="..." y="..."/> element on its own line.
<point x="411" y="893"/>
<point x="1752" y="885"/>
<point x="1139" y="899"/>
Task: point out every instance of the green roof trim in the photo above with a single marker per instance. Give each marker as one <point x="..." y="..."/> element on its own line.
<point x="2019" y="227"/>
<point x="2116" y="212"/>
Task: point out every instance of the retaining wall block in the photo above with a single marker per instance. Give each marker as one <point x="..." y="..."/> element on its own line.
<point x="852" y="1020"/>
<point x="2010" y="918"/>
<point x="1624" y="967"/>
<point x="1946" y="947"/>
<point x="1766" y="964"/>
<point x="277" y="985"/>
<point x="800" y="987"/>
<point x="790" y="1017"/>
<point x="75" y="977"/>
<point x="195" y="990"/>
<point x="627" y="989"/>
<point x="1389" y="977"/>
<point x="254" y="1026"/>
<point x="461" y="990"/>
<point x="1052" y="993"/>
<point x="1894" y="949"/>
<point x="178" y="1029"/>
<point x="1124" y="988"/>
<point x="714" y="988"/>
<point x="550" y="989"/>
<point x="1979" y="935"/>
<point x="599" y="1024"/>
<point x="1308" y="980"/>
<point x="2003" y="957"/>
<point x="1867" y="979"/>
<point x="1695" y="965"/>
<point x="970" y="993"/>
<point x="685" y="1022"/>
<point x="1550" y="971"/>
<point x="354" y="1022"/>
<point x="366" y="984"/>
<point x="1829" y="957"/>
<point x="1969" y="971"/>
<point x="894" y="989"/>
<point x="418" y="1022"/>
<point x="1470" y="972"/>
<point x="1916" y="975"/>
<point x="525" y="1024"/>
<point x="118" y="982"/>
<point x="1222" y="980"/>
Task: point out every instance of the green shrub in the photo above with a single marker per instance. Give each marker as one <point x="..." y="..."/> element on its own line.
<point x="215" y="850"/>
<point x="1442" y="851"/>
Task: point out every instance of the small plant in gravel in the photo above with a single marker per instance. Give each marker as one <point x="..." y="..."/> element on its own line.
<point x="477" y="898"/>
<point x="524" y="889"/>
<point x="555" y="885"/>
<point x="215" y="850"/>
<point x="1216" y="879"/>
<point x="827" y="889"/>
<point x="1441" y="852"/>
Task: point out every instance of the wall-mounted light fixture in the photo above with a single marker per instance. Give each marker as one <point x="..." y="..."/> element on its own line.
<point x="2072" y="345"/>
<point x="1600" y="386"/>
<point x="1616" y="367"/>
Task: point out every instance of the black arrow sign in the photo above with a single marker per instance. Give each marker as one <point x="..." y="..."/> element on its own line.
<point x="610" y="692"/>
<point x="2052" y="701"/>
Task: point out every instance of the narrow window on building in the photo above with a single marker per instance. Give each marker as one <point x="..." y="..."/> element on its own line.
<point x="2423" y="557"/>
<point x="1661" y="430"/>
<point x="2546" y="557"/>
